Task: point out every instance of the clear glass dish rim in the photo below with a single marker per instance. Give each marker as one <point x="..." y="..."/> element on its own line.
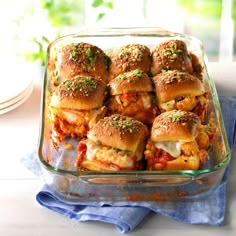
<point x="136" y="32"/>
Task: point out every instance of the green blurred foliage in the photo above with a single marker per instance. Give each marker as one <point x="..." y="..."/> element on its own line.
<point x="210" y="8"/>
<point x="41" y="54"/>
<point x="102" y="4"/>
<point x="98" y="3"/>
<point x="60" y="12"/>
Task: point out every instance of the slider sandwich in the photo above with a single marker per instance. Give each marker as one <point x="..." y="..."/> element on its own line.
<point x="181" y="91"/>
<point x="115" y="143"/>
<point x="177" y="142"/>
<point x="76" y="105"/>
<point x="128" y="58"/>
<point x="132" y="94"/>
<point x="171" y="55"/>
<point x="75" y="59"/>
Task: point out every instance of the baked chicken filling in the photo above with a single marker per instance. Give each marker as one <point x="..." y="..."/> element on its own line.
<point x="160" y="155"/>
<point x="107" y="158"/>
<point x="197" y="104"/>
<point x="139" y="105"/>
<point x="74" y="123"/>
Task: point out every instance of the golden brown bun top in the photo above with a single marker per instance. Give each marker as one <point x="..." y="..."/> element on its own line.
<point x="173" y="84"/>
<point x="79" y="93"/>
<point x="129" y="57"/>
<point x="119" y="131"/>
<point x="175" y="125"/>
<point x="82" y="59"/>
<point x="169" y="55"/>
<point x="133" y="81"/>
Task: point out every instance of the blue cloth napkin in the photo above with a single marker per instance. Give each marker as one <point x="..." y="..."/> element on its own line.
<point x="125" y="218"/>
<point x="210" y="210"/>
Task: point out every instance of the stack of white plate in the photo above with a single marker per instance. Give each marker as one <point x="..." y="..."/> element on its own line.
<point x="16" y="85"/>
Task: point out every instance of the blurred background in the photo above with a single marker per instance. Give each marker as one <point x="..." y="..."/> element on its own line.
<point x="27" y="26"/>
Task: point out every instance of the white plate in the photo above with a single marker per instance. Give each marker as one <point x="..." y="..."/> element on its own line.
<point x="15" y="78"/>
<point x="16" y="101"/>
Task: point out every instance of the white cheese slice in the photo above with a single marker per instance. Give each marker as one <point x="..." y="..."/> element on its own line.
<point x="173" y="148"/>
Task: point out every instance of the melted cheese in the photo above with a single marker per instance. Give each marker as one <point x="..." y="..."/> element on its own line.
<point x="101" y="153"/>
<point x="146" y="100"/>
<point x="80" y="116"/>
<point x="70" y="117"/>
<point x="203" y="100"/>
<point x="118" y="100"/>
<point x="167" y="106"/>
<point x="94" y="115"/>
<point x="173" y="148"/>
<point x="91" y="150"/>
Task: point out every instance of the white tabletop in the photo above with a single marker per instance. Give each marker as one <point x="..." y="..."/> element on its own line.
<point x="20" y="214"/>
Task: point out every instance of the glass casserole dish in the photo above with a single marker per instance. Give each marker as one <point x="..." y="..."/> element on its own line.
<point x="78" y="185"/>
